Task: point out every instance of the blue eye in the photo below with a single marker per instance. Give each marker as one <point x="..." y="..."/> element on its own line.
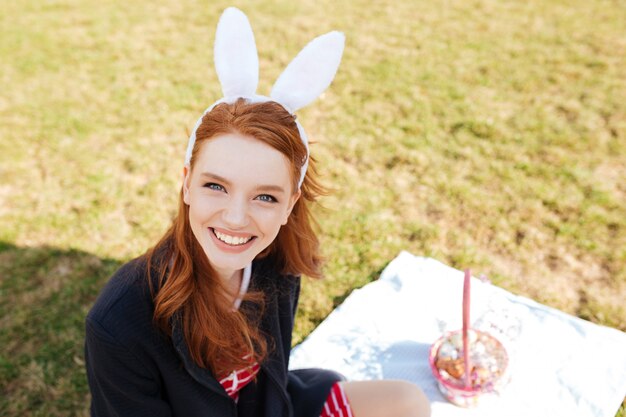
<point x="267" y="198"/>
<point x="214" y="186"/>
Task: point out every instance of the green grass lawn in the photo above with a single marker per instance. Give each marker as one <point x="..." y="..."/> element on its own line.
<point x="486" y="134"/>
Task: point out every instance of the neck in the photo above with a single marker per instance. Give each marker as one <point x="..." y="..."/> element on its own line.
<point x="231" y="280"/>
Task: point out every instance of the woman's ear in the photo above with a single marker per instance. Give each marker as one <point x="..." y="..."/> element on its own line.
<point x="186" y="180"/>
<point x="292" y="202"/>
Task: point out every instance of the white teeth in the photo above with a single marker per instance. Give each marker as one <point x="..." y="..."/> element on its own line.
<point x="231" y="240"/>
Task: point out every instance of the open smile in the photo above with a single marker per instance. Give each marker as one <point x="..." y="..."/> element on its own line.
<point x="231" y="241"/>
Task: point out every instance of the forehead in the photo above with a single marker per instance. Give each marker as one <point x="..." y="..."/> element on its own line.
<point x="244" y="160"/>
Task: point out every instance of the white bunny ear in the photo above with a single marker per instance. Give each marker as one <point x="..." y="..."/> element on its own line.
<point x="236" y="58"/>
<point x="310" y="73"/>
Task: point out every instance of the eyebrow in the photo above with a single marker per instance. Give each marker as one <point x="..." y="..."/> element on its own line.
<point x="261" y="187"/>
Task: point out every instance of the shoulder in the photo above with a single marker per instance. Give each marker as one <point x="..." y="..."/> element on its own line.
<point x="124" y="306"/>
<point x="123" y="348"/>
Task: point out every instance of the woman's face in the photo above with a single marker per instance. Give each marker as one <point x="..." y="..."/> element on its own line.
<point x="239" y="195"/>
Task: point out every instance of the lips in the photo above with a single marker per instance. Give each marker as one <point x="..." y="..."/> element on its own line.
<point x="231" y="241"/>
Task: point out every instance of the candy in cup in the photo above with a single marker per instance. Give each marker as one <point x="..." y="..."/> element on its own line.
<point x="468" y="364"/>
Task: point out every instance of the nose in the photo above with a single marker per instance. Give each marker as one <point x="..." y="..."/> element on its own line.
<point x="235" y="213"/>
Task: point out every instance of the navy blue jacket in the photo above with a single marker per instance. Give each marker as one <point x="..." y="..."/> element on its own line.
<point x="136" y="370"/>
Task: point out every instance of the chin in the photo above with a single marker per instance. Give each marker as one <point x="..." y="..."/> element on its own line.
<point x="233" y="262"/>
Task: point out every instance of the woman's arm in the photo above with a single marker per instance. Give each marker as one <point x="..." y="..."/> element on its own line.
<point x="120" y="384"/>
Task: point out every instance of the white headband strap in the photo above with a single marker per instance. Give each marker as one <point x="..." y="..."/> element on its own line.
<point x="237" y="66"/>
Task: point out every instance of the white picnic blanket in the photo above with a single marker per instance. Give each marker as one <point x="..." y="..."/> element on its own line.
<point x="560" y="365"/>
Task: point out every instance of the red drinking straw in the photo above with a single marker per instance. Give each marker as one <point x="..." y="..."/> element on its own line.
<point x="466" y="320"/>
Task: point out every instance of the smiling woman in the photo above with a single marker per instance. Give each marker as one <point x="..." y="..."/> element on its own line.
<point x="201" y="324"/>
<point x="240" y="200"/>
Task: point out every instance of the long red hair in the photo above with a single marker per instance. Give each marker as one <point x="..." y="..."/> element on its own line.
<point x="188" y="290"/>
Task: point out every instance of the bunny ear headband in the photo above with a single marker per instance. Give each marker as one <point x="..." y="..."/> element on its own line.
<point x="237" y="66"/>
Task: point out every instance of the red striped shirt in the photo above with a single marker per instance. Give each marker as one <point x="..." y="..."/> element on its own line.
<point x="239" y="379"/>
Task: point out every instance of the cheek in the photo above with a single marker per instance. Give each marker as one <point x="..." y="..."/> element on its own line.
<point x="199" y="208"/>
<point x="270" y="221"/>
<point x="193" y="208"/>
<point x="194" y="218"/>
